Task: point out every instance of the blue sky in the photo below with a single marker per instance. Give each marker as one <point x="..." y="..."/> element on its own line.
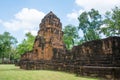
<point x="21" y="16"/>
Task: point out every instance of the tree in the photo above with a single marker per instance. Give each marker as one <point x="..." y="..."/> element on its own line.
<point x="6" y="43"/>
<point x="70" y="36"/>
<point x="89" y="23"/>
<point x="26" y="45"/>
<point x="112" y="23"/>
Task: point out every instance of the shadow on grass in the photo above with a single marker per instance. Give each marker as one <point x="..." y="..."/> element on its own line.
<point x="9" y="68"/>
<point x="14" y="69"/>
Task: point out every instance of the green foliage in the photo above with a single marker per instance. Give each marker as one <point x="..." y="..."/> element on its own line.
<point x="89" y="23"/>
<point x="26" y="45"/>
<point x="70" y="36"/>
<point x="7" y="42"/>
<point x="112" y="23"/>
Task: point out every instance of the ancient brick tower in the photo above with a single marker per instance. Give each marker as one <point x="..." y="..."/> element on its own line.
<point x="49" y="38"/>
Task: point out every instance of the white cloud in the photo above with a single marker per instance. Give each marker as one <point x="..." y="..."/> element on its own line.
<point x="33" y="32"/>
<point x="74" y="15"/>
<point x="30" y="15"/>
<point x="86" y="5"/>
<point x="26" y="19"/>
<point x="101" y="5"/>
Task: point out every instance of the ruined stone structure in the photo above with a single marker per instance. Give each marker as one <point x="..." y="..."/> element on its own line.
<point x="49" y="37"/>
<point x="48" y="40"/>
<point x="94" y="58"/>
<point x="99" y="58"/>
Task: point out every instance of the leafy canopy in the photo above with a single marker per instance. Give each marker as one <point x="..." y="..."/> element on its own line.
<point x="89" y="23"/>
<point x="70" y="36"/>
<point x="112" y="23"/>
<point x="26" y="45"/>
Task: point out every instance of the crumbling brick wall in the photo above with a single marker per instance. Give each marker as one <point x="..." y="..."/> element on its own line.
<point x="94" y="58"/>
<point x="98" y="57"/>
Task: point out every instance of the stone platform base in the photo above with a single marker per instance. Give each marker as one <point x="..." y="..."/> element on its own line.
<point x="108" y="73"/>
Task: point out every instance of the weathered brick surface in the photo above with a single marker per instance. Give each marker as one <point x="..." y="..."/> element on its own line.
<point x="48" y="39"/>
<point x="99" y="58"/>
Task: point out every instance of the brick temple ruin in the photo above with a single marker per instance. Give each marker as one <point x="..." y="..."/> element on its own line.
<point x="98" y="58"/>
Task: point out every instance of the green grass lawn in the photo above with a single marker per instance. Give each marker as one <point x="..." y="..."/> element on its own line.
<point x="11" y="72"/>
